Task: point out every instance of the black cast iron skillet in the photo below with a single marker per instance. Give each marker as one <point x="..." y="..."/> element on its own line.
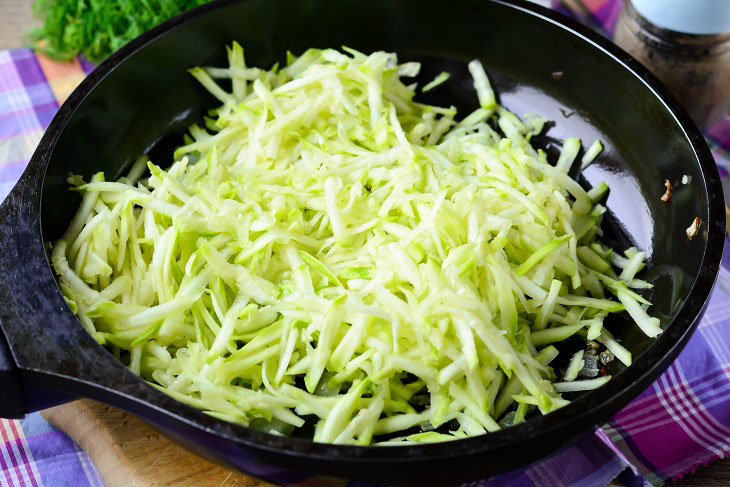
<point x="141" y="99"/>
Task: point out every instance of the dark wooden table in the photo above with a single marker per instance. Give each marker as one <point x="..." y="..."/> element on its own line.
<point x="16" y="19"/>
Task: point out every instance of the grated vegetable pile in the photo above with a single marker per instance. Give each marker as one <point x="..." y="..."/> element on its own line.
<point x="328" y="257"/>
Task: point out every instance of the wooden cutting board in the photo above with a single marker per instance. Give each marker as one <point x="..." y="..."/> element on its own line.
<point x="128" y="453"/>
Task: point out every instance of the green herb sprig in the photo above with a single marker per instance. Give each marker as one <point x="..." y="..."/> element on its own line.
<point x="97" y="28"/>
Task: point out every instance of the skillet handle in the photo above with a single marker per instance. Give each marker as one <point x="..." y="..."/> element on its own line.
<point x="18" y="396"/>
<point x="12" y="404"/>
<point x="22" y="390"/>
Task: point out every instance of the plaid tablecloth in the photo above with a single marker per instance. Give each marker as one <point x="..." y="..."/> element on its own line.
<point x="682" y="421"/>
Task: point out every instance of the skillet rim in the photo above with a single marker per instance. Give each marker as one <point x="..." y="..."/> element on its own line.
<point x="582" y="413"/>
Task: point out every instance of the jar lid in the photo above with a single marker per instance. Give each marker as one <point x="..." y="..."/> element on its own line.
<point x="687" y="16"/>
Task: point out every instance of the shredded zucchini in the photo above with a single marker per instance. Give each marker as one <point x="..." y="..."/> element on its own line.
<point x="440" y="79"/>
<point x="327" y="247"/>
<point x="591" y="154"/>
